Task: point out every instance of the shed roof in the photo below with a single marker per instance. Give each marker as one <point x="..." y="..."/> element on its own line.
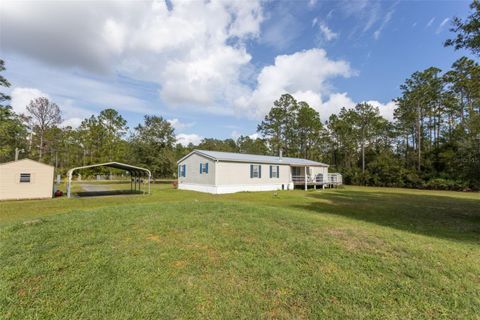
<point x="243" y="157"/>
<point x="25" y="160"/>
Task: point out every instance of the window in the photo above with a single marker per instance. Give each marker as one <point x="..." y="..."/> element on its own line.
<point x="319" y="178"/>
<point x="255" y="171"/>
<point x="182" y="170"/>
<point x="274" y="171"/>
<point x="296" y="171"/>
<point x="204" y="167"/>
<point x="24" y="177"/>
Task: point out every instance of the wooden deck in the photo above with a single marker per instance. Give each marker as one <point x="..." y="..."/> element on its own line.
<point x="300" y="181"/>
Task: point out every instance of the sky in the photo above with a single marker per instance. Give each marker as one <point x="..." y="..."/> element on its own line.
<point x="214" y="68"/>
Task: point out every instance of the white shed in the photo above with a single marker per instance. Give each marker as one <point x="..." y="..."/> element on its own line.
<point x="26" y="179"/>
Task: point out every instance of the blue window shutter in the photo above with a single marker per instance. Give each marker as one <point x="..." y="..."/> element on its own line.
<point x="206" y="167"/>
<point x="251" y="171"/>
<point x="184" y="170"/>
<point x="200" y="168"/>
<point x="270" y="171"/>
<point x="278" y="171"/>
<point x="259" y="171"/>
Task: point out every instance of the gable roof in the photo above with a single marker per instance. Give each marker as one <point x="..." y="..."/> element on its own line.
<point x="113" y="164"/>
<point x="255" y="158"/>
<point x="25" y="160"/>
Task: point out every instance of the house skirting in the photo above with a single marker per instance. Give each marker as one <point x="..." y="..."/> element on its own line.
<point x="197" y="187"/>
<point x="234" y="188"/>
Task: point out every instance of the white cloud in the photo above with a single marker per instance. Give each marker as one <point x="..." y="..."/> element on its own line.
<point x="429" y="24"/>
<point x="206" y="79"/>
<point x="71" y="114"/>
<point x="327" y="33"/>
<point x="386" y="109"/>
<point x="314" y="99"/>
<point x="21" y="97"/>
<point x="235" y="135"/>
<point x="185" y="139"/>
<point x="73" y="89"/>
<point x="280" y="33"/>
<point x="384" y="23"/>
<point x="312" y="3"/>
<point x="334" y="104"/>
<point x="370" y="15"/>
<point x="304" y="74"/>
<point x="179" y="125"/>
<point x="72" y="122"/>
<point x="366" y="12"/>
<point x="193" y="50"/>
<point x="338" y="101"/>
<point x="441" y="25"/>
<point x="330" y="14"/>
<point x="254" y="136"/>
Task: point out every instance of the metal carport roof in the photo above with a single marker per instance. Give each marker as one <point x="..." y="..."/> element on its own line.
<point x="117" y="165"/>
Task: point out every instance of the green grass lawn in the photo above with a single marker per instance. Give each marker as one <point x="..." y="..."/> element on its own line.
<point x="346" y="253"/>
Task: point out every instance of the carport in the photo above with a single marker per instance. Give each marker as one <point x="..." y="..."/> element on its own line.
<point x="135" y="174"/>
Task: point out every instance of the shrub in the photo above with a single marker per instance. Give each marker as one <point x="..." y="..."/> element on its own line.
<point x="446" y="184"/>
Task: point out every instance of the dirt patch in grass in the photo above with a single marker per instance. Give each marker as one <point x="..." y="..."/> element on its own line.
<point x="29" y="287"/>
<point x="284" y="305"/>
<point x="179" y="264"/>
<point x="153" y="237"/>
<point x="33" y="222"/>
<point x="356" y="240"/>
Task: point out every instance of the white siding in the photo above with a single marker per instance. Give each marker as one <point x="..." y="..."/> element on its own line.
<point x="193" y="176"/>
<point x="238" y="174"/>
<point x="322" y="170"/>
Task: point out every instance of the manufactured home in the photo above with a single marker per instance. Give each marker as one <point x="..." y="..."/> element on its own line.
<point x="227" y="172"/>
<point x="25" y="179"/>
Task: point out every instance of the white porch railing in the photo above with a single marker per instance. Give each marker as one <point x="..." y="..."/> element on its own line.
<point x="318" y="179"/>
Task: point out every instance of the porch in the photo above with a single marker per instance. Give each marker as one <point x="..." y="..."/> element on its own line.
<point x="306" y="176"/>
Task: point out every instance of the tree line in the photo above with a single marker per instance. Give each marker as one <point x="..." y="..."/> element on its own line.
<point x="432" y="142"/>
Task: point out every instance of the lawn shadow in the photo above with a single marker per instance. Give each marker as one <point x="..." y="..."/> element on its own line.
<point x="107" y="193"/>
<point x="439" y="216"/>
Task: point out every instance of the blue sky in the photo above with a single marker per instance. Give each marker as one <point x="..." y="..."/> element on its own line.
<point x="214" y="68"/>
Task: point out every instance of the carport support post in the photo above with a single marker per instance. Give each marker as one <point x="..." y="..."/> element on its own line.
<point x="306" y="187"/>
<point x="149" y="183"/>
<point x="135" y="182"/>
<point x="69" y="183"/>
<point x="144" y="185"/>
<point x="131" y="182"/>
